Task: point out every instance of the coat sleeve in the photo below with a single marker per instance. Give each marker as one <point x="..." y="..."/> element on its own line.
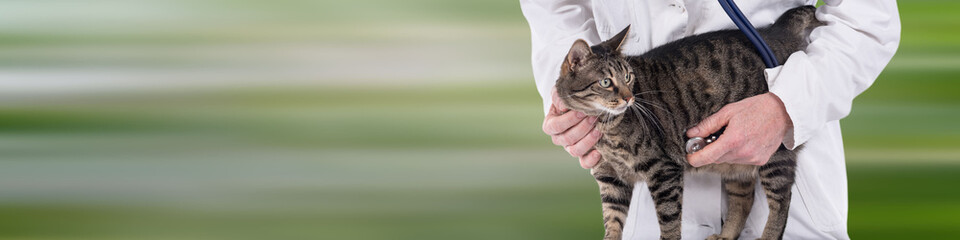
<point x="843" y="59"/>
<point x="554" y="26"/>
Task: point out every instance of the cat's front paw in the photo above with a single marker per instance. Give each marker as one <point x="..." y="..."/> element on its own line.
<point x="612" y="236"/>
<point x="717" y="237"/>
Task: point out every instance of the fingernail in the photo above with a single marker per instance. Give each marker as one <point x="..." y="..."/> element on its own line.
<point x="596" y="133"/>
<point x="693" y="131"/>
<point x="581" y="115"/>
<point x="593" y="120"/>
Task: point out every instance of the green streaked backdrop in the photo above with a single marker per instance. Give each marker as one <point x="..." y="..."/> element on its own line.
<point x="369" y="119"/>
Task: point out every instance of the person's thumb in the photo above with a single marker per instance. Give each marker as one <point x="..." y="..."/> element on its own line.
<point x="711" y="124"/>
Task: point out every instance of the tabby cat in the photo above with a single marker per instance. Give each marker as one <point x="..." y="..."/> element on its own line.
<point x="646" y="103"/>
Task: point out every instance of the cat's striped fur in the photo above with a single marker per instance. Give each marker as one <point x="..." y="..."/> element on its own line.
<point x="654" y="98"/>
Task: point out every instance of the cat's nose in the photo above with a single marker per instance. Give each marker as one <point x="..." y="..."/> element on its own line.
<point x="628" y="98"/>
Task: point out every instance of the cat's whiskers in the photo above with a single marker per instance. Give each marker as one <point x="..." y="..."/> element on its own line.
<point x="642" y="115"/>
<point x="656" y="121"/>
<point x="636" y="111"/>
<point x="650" y="118"/>
<point x="653" y="104"/>
<point x="650" y="92"/>
<point x="655" y="118"/>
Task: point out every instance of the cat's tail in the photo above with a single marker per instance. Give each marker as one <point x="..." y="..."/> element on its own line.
<point x="799" y="21"/>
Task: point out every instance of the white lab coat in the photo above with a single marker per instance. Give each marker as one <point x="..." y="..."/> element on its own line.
<point x="817" y="87"/>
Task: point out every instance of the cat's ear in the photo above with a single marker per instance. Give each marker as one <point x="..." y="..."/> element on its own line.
<point x="613" y="44"/>
<point x="578" y="52"/>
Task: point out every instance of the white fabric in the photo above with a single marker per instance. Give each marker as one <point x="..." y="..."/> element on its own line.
<point x="817" y="86"/>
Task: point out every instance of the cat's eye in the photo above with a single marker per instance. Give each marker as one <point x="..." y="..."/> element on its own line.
<point x="605" y="82"/>
<point x="628" y="78"/>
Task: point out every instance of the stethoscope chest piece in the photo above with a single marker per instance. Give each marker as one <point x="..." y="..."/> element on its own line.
<point x="697" y="143"/>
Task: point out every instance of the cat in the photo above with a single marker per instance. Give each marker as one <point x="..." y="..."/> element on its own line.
<point x="645" y="104"/>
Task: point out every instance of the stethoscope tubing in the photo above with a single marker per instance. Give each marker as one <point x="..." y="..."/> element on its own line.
<point x="747" y="28"/>
<point x="770" y="60"/>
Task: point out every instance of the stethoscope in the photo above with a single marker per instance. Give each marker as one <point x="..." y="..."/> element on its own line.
<point x="698" y="143"/>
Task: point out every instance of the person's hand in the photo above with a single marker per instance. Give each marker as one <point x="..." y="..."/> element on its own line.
<point x="755" y="128"/>
<point x="574" y="131"/>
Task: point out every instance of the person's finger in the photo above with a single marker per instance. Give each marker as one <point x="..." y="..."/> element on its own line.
<point x="574" y="134"/>
<point x="553" y="125"/>
<point x="553" y="111"/>
<point x="590" y="160"/>
<point x="713" y="152"/>
<point x="760" y="158"/>
<point x="730" y="157"/>
<point x="557" y="102"/>
<point x="711" y="124"/>
<point x="584" y="145"/>
<point x="759" y="161"/>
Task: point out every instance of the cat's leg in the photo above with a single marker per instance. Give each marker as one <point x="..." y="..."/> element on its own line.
<point x="739" y="201"/>
<point x="777" y="178"/>
<point x="615" y="194"/>
<point x="665" y="181"/>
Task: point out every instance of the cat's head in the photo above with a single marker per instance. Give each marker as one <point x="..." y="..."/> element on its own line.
<point x="598" y="79"/>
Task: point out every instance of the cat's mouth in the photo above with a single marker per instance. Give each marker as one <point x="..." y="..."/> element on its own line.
<point x="616" y="109"/>
<point x="620" y="109"/>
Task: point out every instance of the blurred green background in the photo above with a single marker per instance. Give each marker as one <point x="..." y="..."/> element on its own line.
<point x="369" y="119"/>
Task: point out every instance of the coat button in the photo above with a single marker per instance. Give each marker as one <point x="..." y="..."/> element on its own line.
<point x="678" y="6"/>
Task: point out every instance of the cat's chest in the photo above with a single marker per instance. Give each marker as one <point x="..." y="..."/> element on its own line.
<point x="624" y="141"/>
<point x="629" y="142"/>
